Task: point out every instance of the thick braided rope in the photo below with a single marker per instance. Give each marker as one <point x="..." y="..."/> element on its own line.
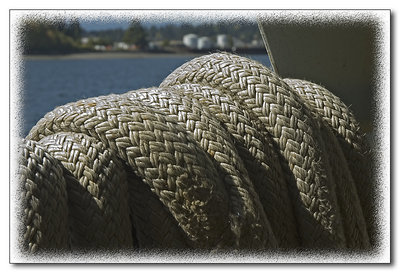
<point x="160" y="152"/>
<point x="192" y="106"/>
<point x="293" y="127"/>
<point x="346" y="129"/>
<point x="98" y="204"/>
<point x="92" y="221"/>
<point x="223" y="154"/>
<point x="44" y="200"/>
<point x="154" y="225"/>
<point x="247" y="217"/>
<point x="348" y="201"/>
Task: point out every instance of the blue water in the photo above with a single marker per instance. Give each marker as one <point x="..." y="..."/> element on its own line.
<point x="53" y="82"/>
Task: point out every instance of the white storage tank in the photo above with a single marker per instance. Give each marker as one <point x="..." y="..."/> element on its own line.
<point x="222" y="41"/>
<point x="190" y="41"/>
<point x="204" y="43"/>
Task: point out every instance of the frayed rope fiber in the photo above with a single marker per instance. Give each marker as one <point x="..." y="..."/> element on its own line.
<point x="223" y="155"/>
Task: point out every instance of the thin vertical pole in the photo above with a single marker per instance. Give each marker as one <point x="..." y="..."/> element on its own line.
<point x="265" y="40"/>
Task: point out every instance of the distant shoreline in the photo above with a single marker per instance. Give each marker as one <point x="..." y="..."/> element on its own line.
<point x="126" y="55"/>
<point x="108" y="55"/>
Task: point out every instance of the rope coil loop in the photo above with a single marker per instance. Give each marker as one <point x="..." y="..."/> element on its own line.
<point x="224" y="154"/>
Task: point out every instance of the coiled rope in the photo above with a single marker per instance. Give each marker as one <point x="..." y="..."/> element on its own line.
<point x="224" y="154"/>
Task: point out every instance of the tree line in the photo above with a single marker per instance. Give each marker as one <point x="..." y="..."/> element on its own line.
<point x="51" y="37"/>
<point x="64" y="36"/>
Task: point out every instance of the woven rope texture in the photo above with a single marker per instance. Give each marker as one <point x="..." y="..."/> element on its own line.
<point x="224" y="154"/>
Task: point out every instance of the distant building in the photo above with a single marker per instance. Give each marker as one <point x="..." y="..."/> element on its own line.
<point x="222" y="41"/>
<point x="100" y="47"/>
<point x="85" y="40"/>
<point x="153" y="45"/>
<point x="190" y="41"/>
<point x="204" y="43"/>
<point x="121" y="46"/>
